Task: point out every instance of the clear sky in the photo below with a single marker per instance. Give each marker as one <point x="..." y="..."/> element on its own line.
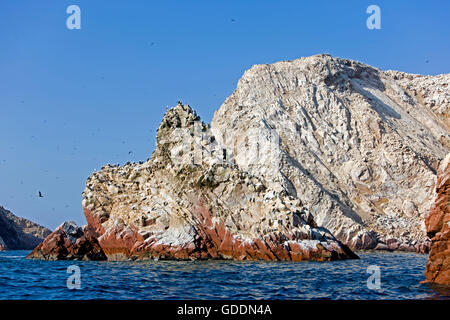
<point x="73" y="100"/>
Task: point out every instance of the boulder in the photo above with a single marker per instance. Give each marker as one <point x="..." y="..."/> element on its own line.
<point x="69" y="242"/>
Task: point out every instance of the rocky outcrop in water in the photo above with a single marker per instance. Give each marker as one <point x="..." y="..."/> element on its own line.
<point x="69" y="242"/>
<point x="188" y="203"/>
<point x="438" y="228"/>
<point x="359" y="147"/>
<point x="18" y="233"/>
<point x="301" y="147"/>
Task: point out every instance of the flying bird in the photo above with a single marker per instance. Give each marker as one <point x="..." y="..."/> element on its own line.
<point x="40" y="195"/>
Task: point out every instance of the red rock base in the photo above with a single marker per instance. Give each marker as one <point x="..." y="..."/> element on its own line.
<point x="438" y="229"/>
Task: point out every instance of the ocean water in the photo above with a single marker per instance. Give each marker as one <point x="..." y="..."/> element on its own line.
<point x="400" y="277"/>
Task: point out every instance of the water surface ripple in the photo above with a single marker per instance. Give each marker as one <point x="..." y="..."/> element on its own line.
<point x="401" y="274"/>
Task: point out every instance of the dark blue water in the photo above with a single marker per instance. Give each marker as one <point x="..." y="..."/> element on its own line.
<point x="400" y="273"/>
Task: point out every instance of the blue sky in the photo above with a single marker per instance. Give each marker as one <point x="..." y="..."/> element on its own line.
<point x="73" y="100"/>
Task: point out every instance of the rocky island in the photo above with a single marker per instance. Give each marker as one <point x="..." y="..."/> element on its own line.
<point x="188" y="203"/>
<point x="18" y="233"/>
<point x="306" y="160"/>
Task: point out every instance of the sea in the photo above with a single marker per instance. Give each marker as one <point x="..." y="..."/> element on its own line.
<point x="374" y="276"/>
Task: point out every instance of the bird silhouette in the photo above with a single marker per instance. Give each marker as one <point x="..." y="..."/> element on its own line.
<point x="40" y="195"/>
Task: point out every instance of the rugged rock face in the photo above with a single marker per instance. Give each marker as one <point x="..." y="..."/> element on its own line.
<point x="430" y="91"/>
<point x="187" y="203"/>
<point x="19" y="233"/>
<point x="357" y="146"/>
<point x="69" y="242"/>
<point x="438" y="229"/>
<point x="301" y="147"/>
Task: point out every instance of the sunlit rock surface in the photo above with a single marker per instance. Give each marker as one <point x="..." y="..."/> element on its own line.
<point x="359" y="147"/>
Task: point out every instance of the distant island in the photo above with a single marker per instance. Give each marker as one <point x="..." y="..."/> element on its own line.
<point x="18" y="233"/>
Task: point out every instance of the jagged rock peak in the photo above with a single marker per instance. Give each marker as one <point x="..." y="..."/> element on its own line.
<point x="180" y="116"/>
<point x="183" y="139"/>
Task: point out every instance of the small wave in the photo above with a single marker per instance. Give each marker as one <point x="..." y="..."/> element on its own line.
<point x="29" y="279"/>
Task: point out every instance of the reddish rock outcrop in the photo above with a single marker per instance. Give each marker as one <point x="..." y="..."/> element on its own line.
<point x="69" y="242"/>
<point x="215" y="241"/>
<point x="438" y="229"/>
